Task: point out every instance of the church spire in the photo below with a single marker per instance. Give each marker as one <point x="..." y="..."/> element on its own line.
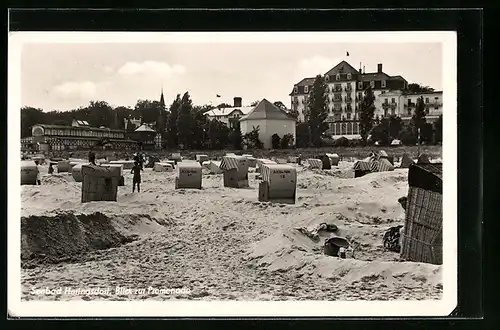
<point x="162" y="99"/>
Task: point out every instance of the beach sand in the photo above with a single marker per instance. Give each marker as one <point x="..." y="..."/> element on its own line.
<point x="220" y="243"/>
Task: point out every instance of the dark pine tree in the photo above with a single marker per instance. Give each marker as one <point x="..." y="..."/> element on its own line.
<point x="366" y="111"/>
<point x="317" y="111"/>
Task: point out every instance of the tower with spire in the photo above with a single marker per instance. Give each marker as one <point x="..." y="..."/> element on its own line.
<point x="160" y="122"/>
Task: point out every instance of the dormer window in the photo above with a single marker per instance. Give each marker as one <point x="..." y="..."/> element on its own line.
<point x="349" y="76"/>
<point x="360" y="85"/>
<point x="306" y="89"/>
<point x="383" y="83"/>
<point x="372" y="84"/>
<point x="295" y="89"/>
<point x="337" y="77"/>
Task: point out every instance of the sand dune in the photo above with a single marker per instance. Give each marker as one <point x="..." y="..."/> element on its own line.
<point x="221" y="243"/>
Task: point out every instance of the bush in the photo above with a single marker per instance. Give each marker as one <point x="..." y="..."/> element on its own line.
<point x="408" y="137"/>
<point x="275" y="141"/>
<point x="341" y="142"/>
<point x="287" y="141"/>
<point x="355" y="143"/>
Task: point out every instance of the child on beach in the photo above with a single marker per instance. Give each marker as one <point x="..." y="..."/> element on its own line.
<point x="38" y="174"/>
<point x="136" y="170"/>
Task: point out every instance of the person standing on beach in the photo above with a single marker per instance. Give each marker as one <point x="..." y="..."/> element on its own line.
<point x="51" y="169"/>
<point x="136" y="170"/>
<point x="91" y="157"/>
<point x="38" y="173"/>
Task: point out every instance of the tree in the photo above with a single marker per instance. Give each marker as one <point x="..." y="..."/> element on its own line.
<point x="252" y="139"/>
<point x="380" y="133"/>
<point x="302" y="132"/>
<point x="254" y="103"/>
<point x="418" y="88"/>
<point x="224" y="105"/>
<point x="280" y="106"/>
<point x="366" y="111"/>
<point x="287" y="141"/>
<point x="185" y="121"/>
<point x="275" y="141"/>
<point x="317" y="111"/>
<point x="122" y="113"/>
<point x="438" y="130"/>
<point x="218" y="134"/>
<point x="173" y="141"/>
<point x="426" y="133"/>
<point x="407" y="135"/>
<point x="418" y="117"/>
<point x="148" y="110"/>
<point x="395" y="126"/>
<point x="29" y="117"/>
<point x="235" y="137"/>
<point x="200" y="127"/>
<point x="294" y="113"/>
<point x="100" y="113"/>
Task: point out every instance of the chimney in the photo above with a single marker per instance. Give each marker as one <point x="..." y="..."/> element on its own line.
<point x="237" y="102"/>
<point x="360" y="71"/>
<point x="364" y="71"/>
<point x="379" y="68"/>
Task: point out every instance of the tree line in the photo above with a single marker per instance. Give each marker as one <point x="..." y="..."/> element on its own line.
<point x="182" y="124"/>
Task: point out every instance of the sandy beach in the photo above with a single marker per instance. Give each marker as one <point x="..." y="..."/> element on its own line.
<point x="219" y="243"/>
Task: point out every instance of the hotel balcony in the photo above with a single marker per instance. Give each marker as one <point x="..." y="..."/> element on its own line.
<point x="348" y="99"/>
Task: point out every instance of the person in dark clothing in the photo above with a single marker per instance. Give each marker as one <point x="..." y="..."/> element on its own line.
<point x="91" y="157"/>
<point x="136" y="170"/>
<point x="51" y="169"/>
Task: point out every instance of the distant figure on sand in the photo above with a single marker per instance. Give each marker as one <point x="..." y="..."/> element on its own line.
<point x="91" y="157"/>
<point x="136" y="170"/>
<point x="38" y="174"/>
<point x="51" y="169"/>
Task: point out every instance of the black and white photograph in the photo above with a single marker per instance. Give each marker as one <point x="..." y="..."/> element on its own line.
<point x="232" y="174"/>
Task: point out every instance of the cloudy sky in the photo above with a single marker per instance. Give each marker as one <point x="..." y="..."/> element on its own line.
<point x="66" y="76"/>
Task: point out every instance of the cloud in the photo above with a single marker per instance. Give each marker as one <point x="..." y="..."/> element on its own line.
<point x="317" y="65"/>
<point x="151" y="67"/>
<point x="75" y="89"/>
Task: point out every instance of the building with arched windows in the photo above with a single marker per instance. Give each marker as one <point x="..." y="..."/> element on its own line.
<point x="80" y="135"/>
<point x="346" y="88"/>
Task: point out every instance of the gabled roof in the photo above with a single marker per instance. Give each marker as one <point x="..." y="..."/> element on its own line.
<point x="342" y="67"/>
<point x="227" y="111"/>
<point x="267" y="110"/>
<point x="144" y="128"/>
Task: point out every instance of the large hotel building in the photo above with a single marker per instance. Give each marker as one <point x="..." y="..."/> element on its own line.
<point x="346" y="87"/>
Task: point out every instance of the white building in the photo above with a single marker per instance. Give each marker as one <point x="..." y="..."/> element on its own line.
<point x="346" y="88"/>
<point x="271" y="120"/>
<point x="230" y="115"/>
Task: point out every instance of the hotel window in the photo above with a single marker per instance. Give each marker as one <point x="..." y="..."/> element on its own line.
<point x="393" y="100"/>
<point x="372" y="84"/>
<point x="337" y="106"/>
<point x="386" y="101"/>
<point x="426" y="100"/>
<point x="383" y="83"/>
<point x="295" y="89"/>
<point x="306" y="89"/>
<point x="337" y="77"/>
<point x="349" y="76"/>
<point x="348" y="116"/>
<point x="327" y="78"/>
<point x="360" y="85"/>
